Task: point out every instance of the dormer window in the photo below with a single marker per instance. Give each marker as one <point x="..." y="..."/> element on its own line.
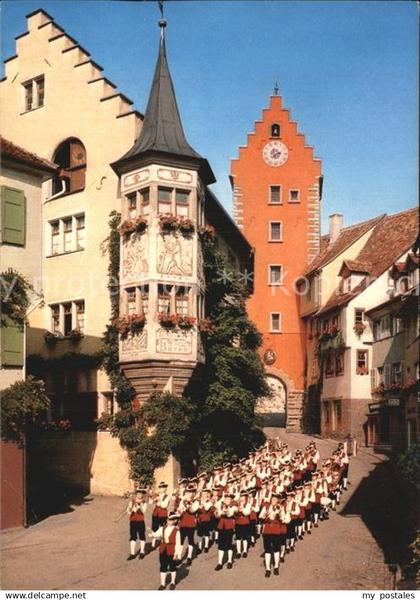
<point x="347" y="284"/>
<point x="275" y="130"/>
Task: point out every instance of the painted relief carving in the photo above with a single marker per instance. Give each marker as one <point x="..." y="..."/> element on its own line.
<point x="134" y="179"/>
<point x="174" y="175"/>
<point x="200" y="266"/>
<point x="135" y="259"/>
<point x="174" y="254"/>
<point x="134" y="344"/>
<point x="173" y="342"/>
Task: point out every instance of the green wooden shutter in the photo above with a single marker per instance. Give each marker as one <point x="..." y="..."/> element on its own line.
<point x="12" y="344"/>
<point x="13" y="216"/>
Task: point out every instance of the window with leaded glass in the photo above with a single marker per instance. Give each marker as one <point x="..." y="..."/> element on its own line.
<point x="182" y="301"/>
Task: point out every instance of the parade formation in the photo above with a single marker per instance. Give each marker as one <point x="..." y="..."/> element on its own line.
<point x="273" y="493"/>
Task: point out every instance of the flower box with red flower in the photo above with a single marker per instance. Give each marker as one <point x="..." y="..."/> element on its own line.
<point x="411" y="384"/>
<point x="359" y="328"/>
<point x="168" y="222"/>
<point x="361" y="371"/>
<point x="185" y="322"/>
<point x="130" y="324"/>
<point x="379" y="390"/>
<point x="50" y="337"/>
<point x="137" y="225"/>
<point x="75" y="335"/>
<point x="186" y="226"/>
<point x="167" y="320"/>
<point x="207" y="232"/>
<point x="205" y="325"/>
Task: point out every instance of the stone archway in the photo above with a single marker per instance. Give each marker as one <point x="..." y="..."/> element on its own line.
<point x="273" y="408"/>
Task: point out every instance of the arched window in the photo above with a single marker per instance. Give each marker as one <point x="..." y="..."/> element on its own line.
<point x="275" y="130"/>
<point x="70" y="156"/>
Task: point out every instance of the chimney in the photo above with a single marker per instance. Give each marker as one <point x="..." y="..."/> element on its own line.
<point x="336" y="224"/>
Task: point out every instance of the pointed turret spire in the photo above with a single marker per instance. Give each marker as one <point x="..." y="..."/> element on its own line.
<point x="162" y="132"/>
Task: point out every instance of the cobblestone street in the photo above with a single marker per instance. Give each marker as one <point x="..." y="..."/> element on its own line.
<point x="87" y="549"/>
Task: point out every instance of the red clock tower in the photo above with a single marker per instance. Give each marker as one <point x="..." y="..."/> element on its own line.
<point x="277" y="186"/>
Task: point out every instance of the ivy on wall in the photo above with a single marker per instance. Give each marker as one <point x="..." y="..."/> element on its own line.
<point x="233" y="377"/>
<point x="215" y="419"/>
<point x="14" y="289"/>
<point x="160" y="426"/>
<point x="23" y="406"/>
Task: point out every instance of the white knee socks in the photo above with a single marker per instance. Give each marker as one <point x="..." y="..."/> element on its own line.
<point x="162" y="578"/>
<point x="276" y="560"/>
<point x="132" y="547"/>
<point x="190" y="551"/>
<point x="267" y="560"/>
<point x="173" y="577"/>
<point x="221" y="555"/>
<point x="230" y="556"/>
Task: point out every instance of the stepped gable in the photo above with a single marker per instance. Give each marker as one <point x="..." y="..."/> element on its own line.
<point x="42" y="24"/>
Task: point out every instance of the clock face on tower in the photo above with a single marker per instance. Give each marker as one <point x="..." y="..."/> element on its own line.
<point x="275" y="154"/>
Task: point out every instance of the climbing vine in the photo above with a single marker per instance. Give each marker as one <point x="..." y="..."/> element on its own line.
<point x="216" y="416"/>
<point x="14" y="290"/>
<point x="233" y="376"/>
<point x="23" y="406"/>
<point x="160" y="426"/>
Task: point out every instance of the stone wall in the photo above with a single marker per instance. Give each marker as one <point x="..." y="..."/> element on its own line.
<point x="295" y="400"/>
<point x="80" y="462"/>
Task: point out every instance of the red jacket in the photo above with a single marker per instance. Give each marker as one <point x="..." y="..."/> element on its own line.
<point x="169" y="547"/>
<point x="137" y="516"/>
<point x="273" y="527"/>
<point x="227" y="523"/>
<point x="158" y="511"/>
<point x="241" y="519"/>
<point x="187" y="520"/>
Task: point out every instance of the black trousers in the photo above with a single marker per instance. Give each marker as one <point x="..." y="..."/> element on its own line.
<point x="187" y="533"/>
<point x="316" y="508"/>
<point x="242" y="532"/>
<point x="157" y="522"/>
<point x="167" y="563"/>
<point x="273" y="542"/>
<point x="225" y="538"/>
<point x="137" y="530"/>
<point x="291" y="530"/>
<point x="203" y="529"/>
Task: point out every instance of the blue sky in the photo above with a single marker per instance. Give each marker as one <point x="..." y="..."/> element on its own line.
<point x="347" y="70"/>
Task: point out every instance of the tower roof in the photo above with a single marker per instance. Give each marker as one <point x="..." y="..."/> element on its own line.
<point x="162" y="132"/>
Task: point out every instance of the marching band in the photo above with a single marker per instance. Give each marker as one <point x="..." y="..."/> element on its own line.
<point x="273" y="493"/>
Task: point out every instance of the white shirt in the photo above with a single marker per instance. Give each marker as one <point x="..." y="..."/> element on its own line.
<point x="165" y="533"/>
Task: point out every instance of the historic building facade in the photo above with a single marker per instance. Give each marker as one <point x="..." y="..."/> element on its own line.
<point x="393" y="416"/>
<point x="344" y="284"/>
<point x="108" y="160"/>
<point x="277" y="189"/>
<point x="22" y="179"/>
<point x="165" y="197"/>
